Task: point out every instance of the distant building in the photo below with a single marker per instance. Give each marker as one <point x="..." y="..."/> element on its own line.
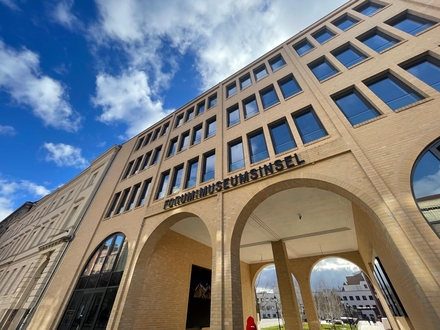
<point x="269" y="306"/>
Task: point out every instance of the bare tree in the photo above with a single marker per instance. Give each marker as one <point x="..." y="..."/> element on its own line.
<point x="327" y="299"/>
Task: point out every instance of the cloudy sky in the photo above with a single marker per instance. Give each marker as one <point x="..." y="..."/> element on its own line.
<point x="77" y="77"/>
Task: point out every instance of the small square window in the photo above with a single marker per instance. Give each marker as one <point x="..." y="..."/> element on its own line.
<point x="189" y="114"/>
<point x="212" y="101"/>
<point x="410" y="23"/>
<point x="427" y="70"/>
<point x="211" y="127"/>
<point x="260" y="72"/>
<point x="231" y="89"/>
<point x="348" y="55"/>
<point x="323" y="35"/>
<point x="309" y="126"/>
<point x="250" y="107"/>
<point x="245" y="81"/>
<point x="289" y="86"/>
<point x="200" y="108"/>
<point x="179" y="120"/>
<point x="197" y="135"/>
<point x="355" y="107"/>
<point x="345" y="22"/>
<point x="393" y="92"/>
<point x="184" y="141"/>
<point x="277" y="62"/>
<point x="269" y="97"/>
<point x="322" y="69"/>
<point x="368" y="8"/>
<point x="257" y="147"/>
<point x="233" y="115"/>
<point x="377" y="40"/>
<point x="303" y="47"/>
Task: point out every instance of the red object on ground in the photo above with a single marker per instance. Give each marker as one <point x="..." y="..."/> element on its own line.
<point x="250" y="325"/>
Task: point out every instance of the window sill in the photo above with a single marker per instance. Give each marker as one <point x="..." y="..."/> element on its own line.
<point x="357" y="23"/>
<point x="271" y="106"/>
<point x="412" y="105"/>
<point x="393" y="46"/>
<point x="327" y="79"/>
<point x="359" y="63"/>
<point x="253" y="115"/>
<point x="369" y="121"/>
<point x="293" y="95"/>
<point x="428" y="29"/>
<point x="235" y="124"/>
<point x="328" y="40"/>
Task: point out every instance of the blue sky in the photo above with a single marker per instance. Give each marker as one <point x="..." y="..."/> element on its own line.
<point x="77" y="77"/>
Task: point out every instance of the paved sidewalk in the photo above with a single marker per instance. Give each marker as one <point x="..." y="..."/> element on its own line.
<point x="365" y="325"/>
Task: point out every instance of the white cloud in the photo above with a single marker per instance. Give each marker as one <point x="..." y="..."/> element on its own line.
<point x="335" y="264"/>
<point x="427" y="185"/>
<point x="21" y="78"/>
<point x="62" y="14"/>
<point x="65" y="155"/>
<point x="7" y="130"/>
<point x="10" y="4"/>
<point x="127" y="98"/>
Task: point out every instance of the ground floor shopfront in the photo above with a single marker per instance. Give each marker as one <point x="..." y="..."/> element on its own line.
<point x="194" y="265"/>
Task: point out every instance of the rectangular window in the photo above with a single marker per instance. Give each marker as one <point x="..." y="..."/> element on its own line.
<point x="257" y="147"/>
<point x="289" y="86"/>
<point x="393" y="92"/>
<point x="137" y="164"/>
<point x="177" y="179"/>
<point x="200" y="108"/>
<point x="323" y="35"/>
<point x="322" y="69"/>
<point x="179" y="120"/>
<point x="121" y="205"/>
<point x="245" y="81"/>
<point x="191" y="175"/>
<point x="303" y="47"/>
<point x="155" y="134"/>
<point x="368" y="8"/>
<point x="128" y="170"/>
<point x="147" y="139"/>
<point x="112" y="208"/>
<point x="211" y="127"/>
<point x="309" y="126"/>
<point x="277" y="62"/>
<point x="236" y="155"/>
<point x="165" y="129"/>
<point x="377" y="40"/>
<point x="163" y="185"/>
<point x="208" y="167"/>
<point x="139" y="144"/>
<point x="197" y="135"/>
<point x="156" y="156"/>
<point x="250" y="107"/>
<point x="269" y="97"/>
<point x="355" y="107"/>
<point x="281" y="135"/>
<point x="233" y="115"/>
<point x="212" y="101"/>
<point x="146" y="160"/>
<point x="348" y="55"/>
<point x="172" y="148"/>
<point x="410" y="23"/>
<point x="189" y="114"/>
<point x="144" y="192"/>
<point x="133" y="197"/>
<point x="184" y="141"/>
<point x="427" y="70"/>
<point x="260" y="72"/>
<point x="345" y="22"/>
<point x="231" y="89"/>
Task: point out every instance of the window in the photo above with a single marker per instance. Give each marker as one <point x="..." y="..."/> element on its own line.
<point x="377" y="40"/>
<point x="200" y="108"/>
<point x="211" y="127"/>
<point x="236" y="156"/>
<point x="191" y="175"/>
<point x="322" y="69"/>
<point x="393" y="92"/>
<point x="277" y="62"/>
<point x="122" y="202"/>
<point x="163" y="185"/>
<point x="257" y="147"/>
<point x="208" y="167"/>
<point x="428" y="71"/>
<point x="309" y="126"/>
<point x="368" y="8"/>
<point x="344" y="297"/>
<point x="128" y="170"/>
<point x="426" y="186"/>
<point x="345" y="22"/>
<point x="184" y="141"/>
<point x="371" y="297"/>
<point x="147" y="139"/>
<point x="245" y="81"/>
<point x="231" y="89"/>
<point x="269" y="97"/>
<point x="355" y="107"/>
<point x="133" y="196"/>
<point x="155" y="134"/>
<point x="250" y="106"/>
<point x="137" y="164"/>
<point x="260" y="72"/>
<point x="177" y="179"/>
<point x="197" y="135"/>
<point x="348" y="55"/>
<point x="156" y="156"/>
<point x="165" y="129"/>
<point x="282" y="139"/>
<point x="323" y="35"/>
<point x="289" y="86"/>
<point x="410" y="23"/>
<point x="172" y="148"/>
<point x="143" y="195"/>
<point x="179" y="120"/>
<point x="212" y="101"/>
<point x="351" y="297"/>
<point x="233" y="115"/>
<point x="139" y="144"/>
<point x="303" y="47"/>
<point x="364" y="297"/>
<point x="146" y="160"/>
<point x="189" y="114"/>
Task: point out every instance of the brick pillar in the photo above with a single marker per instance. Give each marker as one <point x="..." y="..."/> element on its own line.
<point x="308" y="301"/>
<point x="290" y="306"/>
